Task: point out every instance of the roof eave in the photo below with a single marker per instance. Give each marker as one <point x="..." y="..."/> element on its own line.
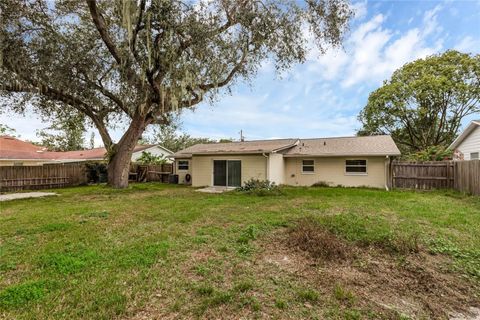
<point x="342" y="155"/>
<point x="463" y="135"/>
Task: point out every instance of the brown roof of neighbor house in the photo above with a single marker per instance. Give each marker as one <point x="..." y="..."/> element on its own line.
<point x="321" y="147"/>
<point x="13" y="148"/>
<point x="245" y="147"/>
<point x="345" y="146"/>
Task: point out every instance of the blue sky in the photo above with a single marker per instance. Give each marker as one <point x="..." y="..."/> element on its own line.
<point x="324" y="96"/>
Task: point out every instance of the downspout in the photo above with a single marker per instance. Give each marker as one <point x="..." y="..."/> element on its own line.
<point x="387" y="161"/>
<point x="266" y="166"/>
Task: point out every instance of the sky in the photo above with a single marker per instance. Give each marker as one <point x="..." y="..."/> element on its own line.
<point x="323" y="96"/>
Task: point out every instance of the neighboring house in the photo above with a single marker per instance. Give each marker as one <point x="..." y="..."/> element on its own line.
<point x="15" y="152"/>
<point x="467" y="144"/>
<point x="347" y="161"/>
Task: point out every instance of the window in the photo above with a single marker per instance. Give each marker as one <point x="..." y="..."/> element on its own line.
<point x="356" y="166"/>
<point x="474" y="156"/>
<point x="183" y="165"/>
<point x="18" y="164"/>
<point x="308" y="166"/>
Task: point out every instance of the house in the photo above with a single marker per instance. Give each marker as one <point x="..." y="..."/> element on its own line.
<point x="15" y="152"/>
<point x="467" y="144"/>
<point x="346" y="161"/>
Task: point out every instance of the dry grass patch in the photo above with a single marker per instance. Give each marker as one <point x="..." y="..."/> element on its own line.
<point x="369" y="279"/>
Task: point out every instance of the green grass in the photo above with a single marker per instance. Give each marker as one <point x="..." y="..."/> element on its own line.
<point x="99" y="253"/>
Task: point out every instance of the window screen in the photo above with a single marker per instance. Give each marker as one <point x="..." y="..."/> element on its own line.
<point x="356" y="166"/>
<point x="182" y="165"/>
<point x="474" y="156"/>
<point x="308" y="166"/>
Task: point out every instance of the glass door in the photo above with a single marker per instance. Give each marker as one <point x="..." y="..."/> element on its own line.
<point x="234" y="173"/>
<point x="220" y="172"/>
<point x="227" y="173"/>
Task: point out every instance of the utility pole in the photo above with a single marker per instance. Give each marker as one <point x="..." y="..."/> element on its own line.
<point x="242" y="138"/>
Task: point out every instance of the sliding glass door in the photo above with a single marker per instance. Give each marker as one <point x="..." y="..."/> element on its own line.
<point x="227" y="173"/>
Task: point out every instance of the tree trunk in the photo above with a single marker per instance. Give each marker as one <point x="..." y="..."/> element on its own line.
<point x="119" y="163"/>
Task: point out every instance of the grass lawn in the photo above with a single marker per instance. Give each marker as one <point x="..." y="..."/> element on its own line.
<point x="166" y="252"/>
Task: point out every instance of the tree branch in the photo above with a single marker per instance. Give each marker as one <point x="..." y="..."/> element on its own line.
<point x="99" y="22"/>
<point x="230" y="76"/>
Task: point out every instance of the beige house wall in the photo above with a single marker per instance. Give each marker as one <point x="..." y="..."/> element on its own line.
<point x="253" y="166"/>
<point x="332" y="171"/>
<point x="276" y="168"/>
<point x="183" y="173"/>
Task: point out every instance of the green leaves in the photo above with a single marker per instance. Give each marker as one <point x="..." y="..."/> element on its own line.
<point x="424" y="102"/>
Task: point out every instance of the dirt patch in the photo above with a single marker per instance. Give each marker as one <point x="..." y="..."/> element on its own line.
<point x="415" y="285"/>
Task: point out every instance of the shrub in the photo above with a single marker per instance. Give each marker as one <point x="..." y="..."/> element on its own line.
<point x="321" y="184"/>
<point x="96" y="172"/>
<point x="260" y="187"/>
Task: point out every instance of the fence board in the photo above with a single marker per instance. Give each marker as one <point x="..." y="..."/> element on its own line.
<point x="467" y="176"/>
<point x="426" y="175"/>
<point x="19" y="178"/>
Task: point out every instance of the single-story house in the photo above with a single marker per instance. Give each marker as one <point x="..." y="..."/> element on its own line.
<point x="346" y="161"/>
<point x="15" y="152"/>
<point x="467" y="144"/>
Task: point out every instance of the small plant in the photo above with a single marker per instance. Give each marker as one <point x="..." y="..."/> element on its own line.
<point x="260" y="187"/>
<point x="244" y="286"/>
<point x="321" y="184"/>
<point x="308" y="295"/>
<point x="205" y="290"/>
<point x="280" y="304"/>
<point x="343" y="295"/>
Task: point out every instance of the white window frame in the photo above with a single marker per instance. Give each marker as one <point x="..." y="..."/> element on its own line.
<point x="477" y="154"/>
<point x="178" y="165"/>
<point x="357" y="173"/>
<point x="308" y="165"/>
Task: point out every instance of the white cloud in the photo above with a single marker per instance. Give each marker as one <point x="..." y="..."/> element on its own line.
<point x="468" y="44"/>
<point x="360" y="9"/>
<point x="378" y="51"/>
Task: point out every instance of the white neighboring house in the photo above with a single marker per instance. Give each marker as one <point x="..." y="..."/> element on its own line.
<point x="156" y="150"/>
<point x="467" y="145"/>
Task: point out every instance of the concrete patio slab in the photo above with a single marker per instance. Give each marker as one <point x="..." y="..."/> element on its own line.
<point x="25" y="195"/>
<point x="216" y="189"/>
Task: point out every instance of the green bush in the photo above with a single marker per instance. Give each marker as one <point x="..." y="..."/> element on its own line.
<point x="260" y="187"/>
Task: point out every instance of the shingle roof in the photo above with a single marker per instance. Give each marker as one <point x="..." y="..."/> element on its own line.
<point x="246" y="147"/>
<point x="343" y="146"/>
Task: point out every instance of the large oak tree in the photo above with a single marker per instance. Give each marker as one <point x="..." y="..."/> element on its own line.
<point x="135" y="62"/>
<point x="424" y="102"/>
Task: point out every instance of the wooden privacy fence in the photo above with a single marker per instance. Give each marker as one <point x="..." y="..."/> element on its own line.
<point x="18" y="178"/>
<point x="459" y="175"/>
<point x="423" y="175"/>
<point x="467" y="176"/>
<point x="145" y="173"/>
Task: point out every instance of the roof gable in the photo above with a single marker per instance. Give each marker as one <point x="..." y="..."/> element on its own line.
<point x="472" y="126"/>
